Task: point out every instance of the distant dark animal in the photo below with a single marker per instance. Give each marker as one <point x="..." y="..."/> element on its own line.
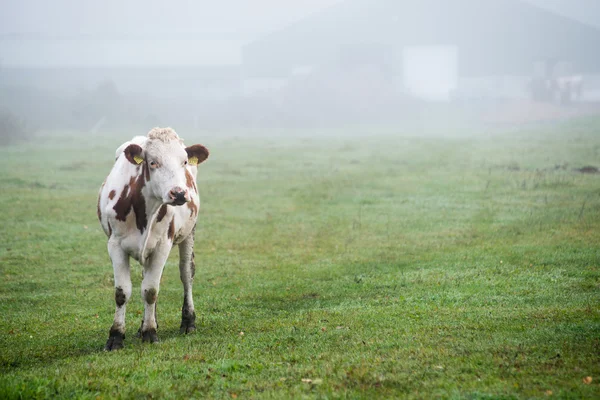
<point x="588" y="169"/>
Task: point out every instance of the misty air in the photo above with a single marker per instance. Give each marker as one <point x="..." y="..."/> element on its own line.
<point x="300" y="199"/>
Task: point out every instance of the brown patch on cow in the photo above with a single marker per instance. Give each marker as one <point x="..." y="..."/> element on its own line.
<point x="171" y="231"/>
<point x="193" y="208"/>
<point x="123" y="205"/>
<point x="193" y="260"/>
<point x="161" y="213"/>
<point x="132" y="151"/>
<point x="132" y="198"/>
<point x="98" y="210"/>
<point x="193" y="265"/>
<point x="150" y="295"/>
<point x="190" y="181"/>
<point x="119" y="297"/>
<point x="112" y="194"/>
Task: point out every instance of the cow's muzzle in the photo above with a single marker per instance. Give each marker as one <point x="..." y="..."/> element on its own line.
<point x="178" y="196"/>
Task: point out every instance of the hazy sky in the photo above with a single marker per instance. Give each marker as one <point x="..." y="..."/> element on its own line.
<point x="228" y="18"/>
<point x="157" y="32"/>
<point x="587" y="11"/>
<point x="225" y="18"/>
<point x="139" y="32"/>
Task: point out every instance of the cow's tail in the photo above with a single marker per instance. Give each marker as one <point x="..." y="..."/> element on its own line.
<point x="143" y="254"/>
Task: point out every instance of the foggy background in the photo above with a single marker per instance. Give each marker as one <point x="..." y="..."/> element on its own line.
<point x="88" y="66"/>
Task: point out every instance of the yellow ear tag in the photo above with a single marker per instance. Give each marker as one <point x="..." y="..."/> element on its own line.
<point x="193" y="160"/>
<point x="138" y="160"/>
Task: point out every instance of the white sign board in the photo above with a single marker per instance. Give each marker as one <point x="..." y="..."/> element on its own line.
<point x="430" y="72"/>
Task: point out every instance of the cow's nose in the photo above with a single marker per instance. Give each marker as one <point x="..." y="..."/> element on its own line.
<point x="177" y="194"/>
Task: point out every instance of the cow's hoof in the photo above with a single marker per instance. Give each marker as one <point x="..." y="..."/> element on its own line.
<point x="139" y="331"/>
<point x="115" y="341"/>
<point x="188" y="322"/>
<point x="185" y="329"/>
<point x="149" y="336"/>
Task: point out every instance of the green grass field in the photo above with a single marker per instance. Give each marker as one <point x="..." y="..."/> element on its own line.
<point x="340" y="266"/>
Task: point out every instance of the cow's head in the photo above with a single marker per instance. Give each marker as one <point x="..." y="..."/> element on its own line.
<point x="165" y="161"/>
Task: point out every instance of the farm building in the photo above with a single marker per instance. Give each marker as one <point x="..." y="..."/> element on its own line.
<point x="429" y="48"/>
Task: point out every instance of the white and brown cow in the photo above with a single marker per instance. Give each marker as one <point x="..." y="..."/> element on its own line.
<point x="149" y="203"/>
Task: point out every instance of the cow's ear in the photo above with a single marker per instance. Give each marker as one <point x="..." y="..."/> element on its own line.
<point x="133" y="152"/>
<point x="196" y="154"/>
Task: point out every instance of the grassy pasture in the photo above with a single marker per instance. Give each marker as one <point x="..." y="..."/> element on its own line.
<point x="376" y="264"/>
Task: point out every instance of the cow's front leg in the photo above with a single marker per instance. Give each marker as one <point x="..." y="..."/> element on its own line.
<point x="187" y="270"/>
<point x="120" y="261"/>
<point x="153" y="269"/>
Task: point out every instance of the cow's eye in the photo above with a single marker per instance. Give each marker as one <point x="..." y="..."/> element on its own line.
<point x="153" y="164"/>
<point x="185" y="162"/>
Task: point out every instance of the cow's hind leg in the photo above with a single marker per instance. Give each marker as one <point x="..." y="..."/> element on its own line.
<point x="153" y="269"/>
<point x="120" y="261"/>
<point x="187" y="270"/>
<point x="139" y="332"/>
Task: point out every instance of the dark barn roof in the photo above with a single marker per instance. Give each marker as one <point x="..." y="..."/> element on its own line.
<point x="494" y="37"/>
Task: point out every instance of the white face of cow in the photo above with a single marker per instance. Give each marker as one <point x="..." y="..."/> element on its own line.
<point x="165" y="165"/>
